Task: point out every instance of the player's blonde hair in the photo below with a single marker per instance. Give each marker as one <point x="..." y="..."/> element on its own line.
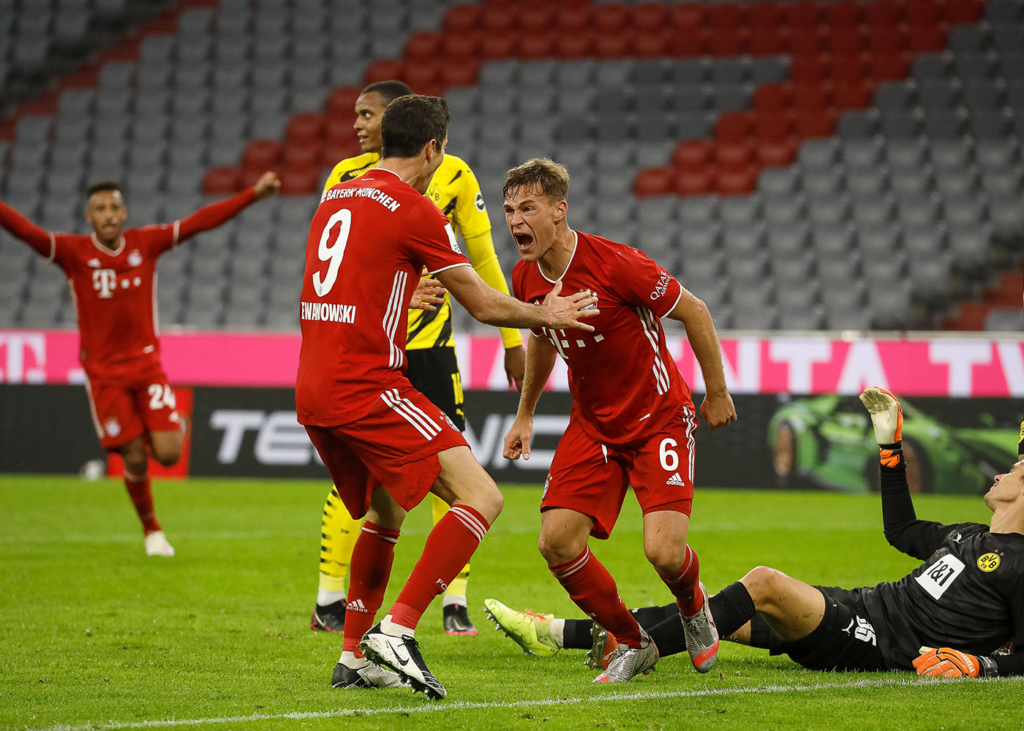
<point x="541" y="172"/>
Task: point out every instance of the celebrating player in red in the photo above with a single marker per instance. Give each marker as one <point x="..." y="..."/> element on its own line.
<point x="112" y="275"/>
<point x="368" y="243"/>
<point x="632" y="421"/>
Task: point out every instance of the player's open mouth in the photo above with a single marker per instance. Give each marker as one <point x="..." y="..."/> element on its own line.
<point x="523" y="241"/>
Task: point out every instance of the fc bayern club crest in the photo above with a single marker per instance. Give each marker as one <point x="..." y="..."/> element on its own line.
<point x="448" y="421"/>
<point x="135" y="258"/>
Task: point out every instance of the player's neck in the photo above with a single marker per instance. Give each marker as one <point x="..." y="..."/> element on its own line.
<point x="1008" y="519"/>
<point x="411" y="170"/>
<point x="111" y="244"/>
<point x="556" y="259"/>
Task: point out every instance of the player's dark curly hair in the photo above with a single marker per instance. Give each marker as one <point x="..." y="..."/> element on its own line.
<point x="410" y="122"/>
<point x="388" y="90"/>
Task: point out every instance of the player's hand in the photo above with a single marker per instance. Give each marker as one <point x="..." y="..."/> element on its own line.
<point x="566" y="312"/>
<point x="428" y="292"/>
<point x="886" y="414"/>
<point x="945" y="662"/>
<point x="517" y="441"/>
<point x="718" y="410"/>
<point x="515" y="366"/>
<point x="268" y="185"/>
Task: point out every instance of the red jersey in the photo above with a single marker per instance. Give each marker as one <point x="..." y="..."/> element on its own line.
<point x="114" y="290"/>
<point x="369" y="240"/>
<point x="622" y="377"/>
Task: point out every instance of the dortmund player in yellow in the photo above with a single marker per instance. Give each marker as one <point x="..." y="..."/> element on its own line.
<point x="433" y="368"/>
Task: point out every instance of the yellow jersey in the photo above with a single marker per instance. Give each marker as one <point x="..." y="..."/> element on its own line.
<point x="455" y="190"/>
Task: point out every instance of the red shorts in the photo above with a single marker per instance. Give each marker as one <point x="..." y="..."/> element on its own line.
<point x="122" y="411"/>
<point x="592" y="478"/>
<point x="394" y="446"/>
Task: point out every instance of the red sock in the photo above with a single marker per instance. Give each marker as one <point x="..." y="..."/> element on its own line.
<point x="449" y="547"/>
<point x="684" y="585"/>
<point x="369" y="571"/>
<point x="593" y="589"/>
<point x="140" y="492"/>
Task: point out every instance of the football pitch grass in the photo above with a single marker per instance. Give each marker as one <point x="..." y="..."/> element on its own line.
<point x="93" y="634"/>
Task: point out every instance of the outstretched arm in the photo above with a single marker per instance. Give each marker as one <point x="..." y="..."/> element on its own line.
<point x="21" y="228"/>
<point x="219" y="213"/>
<point x="717" y="409"/>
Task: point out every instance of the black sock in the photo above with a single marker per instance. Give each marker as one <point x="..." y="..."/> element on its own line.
<point x="760" y="633"/>
<point x="669" y="635"/>
<point x="651" y="617"/>
<point x="576" y="634"/>
<point x="732" y="608"/>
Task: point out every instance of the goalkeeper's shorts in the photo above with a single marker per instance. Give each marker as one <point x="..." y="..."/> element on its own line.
<point x="844" y="641"/>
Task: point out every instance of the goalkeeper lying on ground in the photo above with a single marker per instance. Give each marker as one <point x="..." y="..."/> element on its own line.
<point x="961" y="613"/>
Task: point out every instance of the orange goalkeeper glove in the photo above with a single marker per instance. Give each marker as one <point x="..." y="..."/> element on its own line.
<point x="945" y="662"/>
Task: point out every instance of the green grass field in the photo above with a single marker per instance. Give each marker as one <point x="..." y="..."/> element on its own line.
<point x="95" y="635"/>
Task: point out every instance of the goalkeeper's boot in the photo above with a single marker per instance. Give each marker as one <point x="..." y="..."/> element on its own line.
<point x="368" y="676"/>
<point x="529" y="630"/>
<point x="628" y="662"/>
<point x="456" y="621"/>
<point x="401" y="654"/>
<point x="601" y="649"/>
<point x="701" y="636"/>
<point x="886" y="415"/>
<point x="157" y="545"/>
<point x="329" y="618"/>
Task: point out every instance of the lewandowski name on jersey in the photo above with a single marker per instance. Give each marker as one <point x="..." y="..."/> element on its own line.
<point x="368" y="242"/>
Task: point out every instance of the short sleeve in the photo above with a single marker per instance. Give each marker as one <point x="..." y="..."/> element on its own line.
<point x="431" y="242"/>
<point x="643" y="282"/>
<point x="470" y="216"/>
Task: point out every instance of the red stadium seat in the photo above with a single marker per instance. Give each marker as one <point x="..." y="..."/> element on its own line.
<point x="650" y="17"/>
<point x="773" y="97"/>
<point x="693" y="154"/>
<point x="853" y="95"/>
<point x="654" y="181"/>
<point x="728" y="16"/>
<point x="537" y="19"/>
<point x="534" y="46"/>
<point x="578" y="44"/>
<point x="928" y="39"/>
<point x="888" y="39"/>
<point x="303" y="155"/>
<point x="729" y="42"/>
<point x="573" y="19"/>
<point x="423" y="47"/>
<point x="688" y="17"/>
<point x="688" y="42"/>
<point x="250" y="176"/>
<point x="803" y="14"/>
<point x="306" y="128"/>
<point x="499" y="45"/>
<point x="261" y="154"/>
<point x="299" y="180"/>
<point x="776" y="153"/>
<point x="651" y="43"/>
<point x="850" y="68"/>
<point x="733" y="155"/>
<point x="883" y="12"/>
<point x="461" y="47"/>
<point x="342" y="101"/>
<point x="737" y="182"/>
<point x="812" y="96"/>
<point x="734" y="126"/>
<point x="340" y="128"/>
<point x="422" y="75"/>
<point x="809" y="69"/>
<point x="768" y="40"/>
<point x="612" y="45"/>
<point x="766" y="15"/>
<point x="463" y="73"/>
<point x="775" y="125"/>
<point x="385" y="70"/>
<point x="339" y="149"/>
<point x="964" y="11"/>
<point x="923" y="12"/>
<point x="806" y="41"/>
<point x="463" y="19"/>
<point x="815" y="122"/>
<point x="889" y="67"/>
<point x="611" y="18"/>
<point x="222" y="181"/>
<point x="844" y="14"/>
<point x="847" y="40"/>
<point x="695" y="182"/>
<point x="501" y="18"/>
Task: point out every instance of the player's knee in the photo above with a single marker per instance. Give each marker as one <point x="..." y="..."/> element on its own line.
<point x="167" y="456"/>
<point x="666" y="558"/>
<point x="133" y="455"/>
<point x="763" y="584"/>
<point x="558" y="549"/>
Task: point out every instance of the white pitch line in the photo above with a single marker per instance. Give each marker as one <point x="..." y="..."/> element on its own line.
<point x="442" y="706"/>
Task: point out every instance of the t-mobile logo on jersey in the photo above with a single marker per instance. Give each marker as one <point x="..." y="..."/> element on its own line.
<point x="104" y="281"/>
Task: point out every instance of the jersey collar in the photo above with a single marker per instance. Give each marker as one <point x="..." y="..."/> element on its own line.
<point x="384" y="170"/>
<point x="104" y="249"/>
<point x="575" y="246"/>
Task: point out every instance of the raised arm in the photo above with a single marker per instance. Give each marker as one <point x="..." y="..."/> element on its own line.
<point x="491" y="307"/>
<point x="905" y="533"/>
<point x="718" y="409"/>
<point x="21" y="228"/>
<point x="219" y="213"/>
<point x="540" y="360"/>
